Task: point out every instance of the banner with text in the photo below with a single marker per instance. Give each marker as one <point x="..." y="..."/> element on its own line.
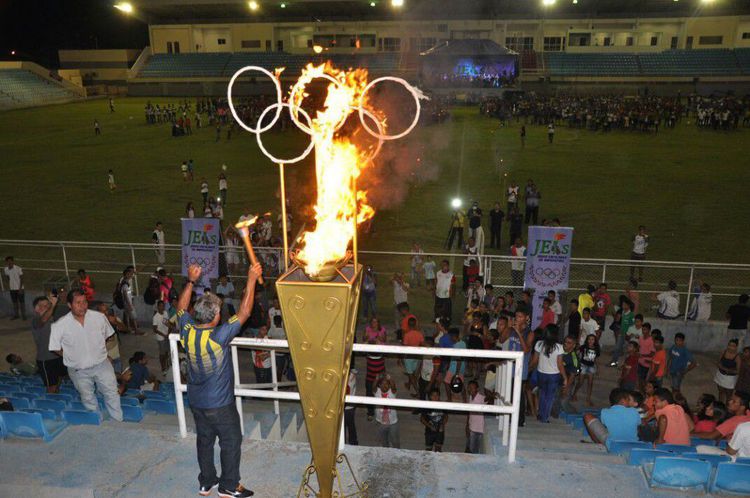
<point x="200" y="246"/>
<point x="547" y="264"/>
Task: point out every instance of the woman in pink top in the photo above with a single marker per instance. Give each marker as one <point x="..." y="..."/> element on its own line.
<point x="375" y="332"/>
<point x="708" y="418"/>
<point x="674" y="424"/>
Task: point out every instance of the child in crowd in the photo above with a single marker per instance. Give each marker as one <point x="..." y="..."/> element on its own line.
<point x="590" y="351"/>
<point x="629" y="373"/>
<point x="434" y="425"/>
<point x="679" y="361"/>
<point x="386" y="416"/>
<point x="659" y="362"/>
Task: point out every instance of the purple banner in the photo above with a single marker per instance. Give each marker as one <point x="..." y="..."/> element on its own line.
<point x="547" y="264"/>
<point x="200" y="246"/>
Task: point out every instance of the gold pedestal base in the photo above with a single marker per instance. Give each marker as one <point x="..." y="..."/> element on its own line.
<point x="306" y="489"/>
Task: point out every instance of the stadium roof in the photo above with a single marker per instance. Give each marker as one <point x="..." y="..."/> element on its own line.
<point x="187" y="11"/>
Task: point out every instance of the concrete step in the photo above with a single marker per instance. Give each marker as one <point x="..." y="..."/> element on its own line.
<point x="270" y="426"/>
<point x="252" y="429"/>
<point x="288" y="423"/>
<point x="535" y="444"/>
<point x="568" y="456"/>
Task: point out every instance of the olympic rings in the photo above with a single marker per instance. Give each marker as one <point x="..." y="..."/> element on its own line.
<point x="200" y="261"/>
<point x="547" y="272"/>
<point x="372" y="116"/>
<point x="293" y="108"/>
<point x="276" y="83"/>
<point x="260" y="142"/>
<point x="415" y="93"/>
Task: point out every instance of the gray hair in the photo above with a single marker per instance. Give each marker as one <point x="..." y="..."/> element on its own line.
<point x="206" y="308"/>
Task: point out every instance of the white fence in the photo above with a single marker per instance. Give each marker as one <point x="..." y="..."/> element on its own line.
<point x="44" y="259"/>
<point x="508" y="384"/>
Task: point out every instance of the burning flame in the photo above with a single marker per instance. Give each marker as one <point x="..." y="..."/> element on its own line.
<point x="338" y="164"/>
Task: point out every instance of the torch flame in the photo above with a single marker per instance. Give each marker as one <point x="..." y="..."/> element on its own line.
<point x="338" y="164"/>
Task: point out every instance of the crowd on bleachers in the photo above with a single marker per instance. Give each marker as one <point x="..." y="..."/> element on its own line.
<point x="608" y="112"/>
<point x="483" y="79"/>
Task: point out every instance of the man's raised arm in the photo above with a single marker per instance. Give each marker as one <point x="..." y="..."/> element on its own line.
<point x="248" y="299"/>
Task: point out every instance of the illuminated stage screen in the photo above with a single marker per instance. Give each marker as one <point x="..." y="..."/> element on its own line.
<point x="482" y="72"/>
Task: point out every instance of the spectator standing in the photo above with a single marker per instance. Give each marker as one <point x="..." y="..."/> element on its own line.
<point x="602" y="305"/>
<point x="730" y="363"/>
<point x="210" y="387"/>
<point x="204" y="190"/>
<point x="659" y="363"/>
<point x="638" y="252"/>
<point x="627" y="321"/>
<point x="157" y="238"/>
<point x="375" y="369"/>
<point x="589" y="352"/>
<point x="417" y="255"/>
<point x="225" y="288"/>
<point x="646" y="353"/>
<point x="496" y="226"/>
<point x="350" y="426"/>
<point x="189" y="210"/>
<point x="551" y="132"/>
<point x="629" y="372"/>
<point x="574" y="320"/>
<point x="14" y="273"/>
<point x="743" y="377"/>
<point x="475" y="420"/>
<point x="517" y="266"/>
<point x="223" y="188"/>
<point x="471" y="250"/>
<point x="111" y="181"/>
<point x="262" y="360"/>
<point x="375" y="332"/>
<point x="86" y="285"/>
<point x="458" y="222"/>
<point x="679" y="362"/>
<point x="429" y="267"/>
<point x="515" y="224"/>
<point x="400" y="295"/>
<point x="369" y="293"/>
<point x="738" y="315"/>
<point x="475" y="220"/>
<point x="434" y="425"/>
<point x="385" y="416"/>
<point x="511" y="198"/>
<point x="700" y="306"/>
<point x="532" y="205"/>
<point x="444" y="289"/>
<point x="125" y="290"/>
<point x="548" y="361"/>
<point x="79" y="337"/>
<point x="49" y="365"/>
<point x="161" y="326"/>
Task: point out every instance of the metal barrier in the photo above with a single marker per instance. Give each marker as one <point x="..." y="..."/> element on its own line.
<point x="41" y="259"/>
<point x="507" y="384"/>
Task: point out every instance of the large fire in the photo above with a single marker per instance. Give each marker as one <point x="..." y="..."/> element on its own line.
<point x="338" y="164"/>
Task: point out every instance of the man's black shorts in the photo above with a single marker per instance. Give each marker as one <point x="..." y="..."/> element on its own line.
<point x="433" y="437"/>
<point x="52" y="371"/>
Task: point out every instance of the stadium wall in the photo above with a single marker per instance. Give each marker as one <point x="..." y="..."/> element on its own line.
<point x="572" y="35"/>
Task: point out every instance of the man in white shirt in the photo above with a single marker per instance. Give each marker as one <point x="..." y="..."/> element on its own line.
<point x="204" y="190"/>
<point x="517" y="266"/>
<point x="556" y="307"/>
<point x="444" y="287"/>
<point x="640" y="244"/>
<point x="669" y="302"/>
<point x="79" y="337"/>
<point x="157" y="237"/>
<point x="226" y="289"/>
<point x="588" y="326"/>
<point x="160" y="322"/>
<point x="15" y="285"/>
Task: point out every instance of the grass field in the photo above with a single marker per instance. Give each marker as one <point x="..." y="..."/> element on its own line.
<point x="688" y="186"/>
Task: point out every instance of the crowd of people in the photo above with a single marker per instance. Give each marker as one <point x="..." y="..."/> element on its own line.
<point x="484" y="78"/>
<point x="609" y="112"/>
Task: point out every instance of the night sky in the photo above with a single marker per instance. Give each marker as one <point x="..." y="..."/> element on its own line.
<point x="36" y="29"/>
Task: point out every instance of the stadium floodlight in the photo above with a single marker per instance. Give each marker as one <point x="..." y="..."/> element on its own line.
<point x="283" y="5"/>
<point x="126" y="7"/>
<point x="548" y="2"/>
<point x="317" y="49"/>
<point x="372" y="4"/>
<point x="456" y="203"/>
<point x="575" y="2"/>
<point x="397" y="3"/>
<point x="253" y="5"/>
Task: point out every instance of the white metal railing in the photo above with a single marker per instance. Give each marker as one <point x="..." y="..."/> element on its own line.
<point x="727" y="279"/>
<point x="507" y="384"/>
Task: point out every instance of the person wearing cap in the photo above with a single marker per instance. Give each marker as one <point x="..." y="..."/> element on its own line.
<point x="142" y="379"/>
<point x="210" y="381"/>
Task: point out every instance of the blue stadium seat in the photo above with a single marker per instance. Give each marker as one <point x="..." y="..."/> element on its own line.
<point x="22" y="88"/>
<point x="132" y="413"/>
<point x="745" y="460"/>
<point x="696" y="441"/>
<point x="133" y="392"/>
<point x="622" y="447"/>
<point x="680" y="473"/>
<point x="65" y="398"/>
<point x="38" y="390"/>
<point x="154" y="395"/>
<point x="723" y="443"/>
<point x="81" y="417"/>
<point x="640" y="456"/>
<point x="76" y="405"/>
<point x="128" y="401"/>
<point x="69" y="390"/>
<point x="675" y="448"/>
<point x="160" y="406"/>
<point x="732" y="478"/>
<point x="46" y="414"/>
<point x="30" y="425"/>
<point x="714" y="460"/>
<point x="51" y="404"/>
<point x="578" y="423"/>
<point x="19" y="403"/>
<point x="24" y="395"/>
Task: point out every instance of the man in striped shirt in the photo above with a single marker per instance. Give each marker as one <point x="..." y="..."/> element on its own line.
<point x="375" y="369"/>
<point x="210" y="386"/>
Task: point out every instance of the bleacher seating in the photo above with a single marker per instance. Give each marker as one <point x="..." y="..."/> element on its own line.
<point x="675" y="448"/>
<point x="50" y="404"/>
<point x="732" y="478"/>
<point x="713" y="62"/>
<point x="30" y="425"/>
<point x="641" y="456"/>
<point x="132" y="413"/>
<point x="81" y="417"/>
<point x="21" y="88"/>
<point x="681" y="473"/>
<point x="622" y="447"/>
<point x="714" y="460"/>
<point x="226" y="64"/>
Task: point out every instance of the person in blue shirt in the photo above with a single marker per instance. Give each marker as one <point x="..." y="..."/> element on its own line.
<point x="679" y="361"/>
<point x="618" y="423"/>
<point x="210" y="382"/>
<point x="141" y="375"/>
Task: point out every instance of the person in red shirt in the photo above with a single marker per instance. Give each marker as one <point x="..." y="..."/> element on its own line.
<point x="602" y="305"/>
<point x="86" y="285"/>
<point x="548" y="316"/>
<point x="659" y="362"/>
<point x="738" y="407"/>
<point x="629" y="374"/>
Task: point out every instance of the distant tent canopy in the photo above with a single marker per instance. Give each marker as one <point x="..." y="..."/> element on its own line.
<point x="480" y="62"/>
